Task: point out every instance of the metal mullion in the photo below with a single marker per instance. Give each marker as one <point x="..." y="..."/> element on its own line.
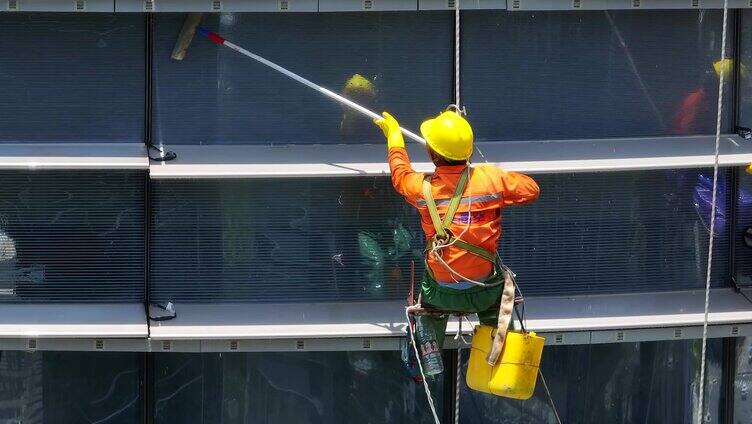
<point x="728" y="373"/>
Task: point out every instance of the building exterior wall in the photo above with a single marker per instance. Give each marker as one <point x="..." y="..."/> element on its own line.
<point x="114" y="236"/>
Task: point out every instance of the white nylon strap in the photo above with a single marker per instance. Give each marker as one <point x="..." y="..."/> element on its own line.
<point x="505" y="317"/>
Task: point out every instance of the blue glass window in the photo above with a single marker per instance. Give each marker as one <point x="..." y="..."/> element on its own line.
<point x="401" y="62"/>
<point x="72" y="77"/>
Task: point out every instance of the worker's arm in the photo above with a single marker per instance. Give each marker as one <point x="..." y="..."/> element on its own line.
<point x="518" y="189"/>
<point x="405" y="180"/>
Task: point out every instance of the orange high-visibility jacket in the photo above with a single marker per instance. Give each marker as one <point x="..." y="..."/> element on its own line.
<point x="489" y="189"/>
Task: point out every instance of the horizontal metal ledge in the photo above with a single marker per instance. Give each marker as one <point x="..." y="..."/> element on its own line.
<point x="62" y="321"/>
<point x="48" y="156"/>
<point x="283" y="5"/>
<point x="574" y="5"/>
<point x="349" y="5"/>
<point x="386" y="319"/>
<point x="96" y="344"/>
<point x="636" y="311"/>
<point x="579" y="320"/>
<point x="536" y="157"/>
<point x="217" y="6"/>
<point x="464" y="4"/>
<point x="57" y="6"/>
<point x="281" y="321"/>
<point x="367" y="5"/>
<point x="354" y="344"/>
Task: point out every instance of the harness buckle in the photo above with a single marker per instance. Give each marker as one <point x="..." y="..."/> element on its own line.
<point x="442" y="241"/>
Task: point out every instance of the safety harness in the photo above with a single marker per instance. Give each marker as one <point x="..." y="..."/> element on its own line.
<point x="444" y="236"/>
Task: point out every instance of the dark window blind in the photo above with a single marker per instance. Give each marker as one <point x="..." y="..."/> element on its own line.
<point x="744" y="77"/>
<point x="71" y="387"/>
<point x="354" y="239"/>
<point x="343" y="239"/>
<point x="72" y="77"/>
<point x="618" y="232"/>
<point x="617" y="383"/>
<point x="592" y="74"/>
<point x="743" y="231"/>
<point x="72" y="236"/>
<point x="287" y="387"/>
<point x="217" y="96"/>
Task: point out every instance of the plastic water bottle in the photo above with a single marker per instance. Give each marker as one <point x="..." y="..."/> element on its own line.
<point x="428" y="346"/>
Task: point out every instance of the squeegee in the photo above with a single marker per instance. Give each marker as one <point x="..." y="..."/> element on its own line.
<point x="190" y="28"/>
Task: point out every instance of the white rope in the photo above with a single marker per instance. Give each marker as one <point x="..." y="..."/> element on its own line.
<point x="550" y="399"/>
<point x="325" y="91"/>
<point x="457" y="380"/>
<point x="461" y="340"/>
<point x="457" y="54"/>
<point x="701" y="395"/>
<point x="420" y="367"/>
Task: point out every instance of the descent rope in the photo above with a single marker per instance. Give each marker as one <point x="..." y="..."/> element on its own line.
<point x="701" y="394"/>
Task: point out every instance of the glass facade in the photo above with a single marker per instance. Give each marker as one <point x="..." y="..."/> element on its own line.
<point x="318" y="387"/>
<point x="72" y="78"/>
<point x="744" y="76"/>
<point x="518" y="79"/>
<point x="612" y="383"/>
<point x="401" y="62"/>
<point x="743" y="229"/>
<point x="554" y="75"/>
<point x="743" y="381"/>
<point x="315" y="240"/>
<point x="743" y="232"/>
<point x="114" y="236"/>
<point x="351" y="239"/>
<point x="646" y="382"/>
<point x="72" y="236"/>
<point x="71" y="387"/>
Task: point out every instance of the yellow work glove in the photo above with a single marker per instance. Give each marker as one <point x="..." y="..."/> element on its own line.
<point x="391" y="129"/>
<point x="749" y="168"/>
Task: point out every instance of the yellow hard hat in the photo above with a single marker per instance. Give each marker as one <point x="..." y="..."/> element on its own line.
<point x="359" y="84"/>
<point x="449" y="135"/>
<point x="724" y="66"/>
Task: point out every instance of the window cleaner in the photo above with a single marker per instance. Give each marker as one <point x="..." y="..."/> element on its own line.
<point x="463" y="271"/>
<point x="467" y="259"/>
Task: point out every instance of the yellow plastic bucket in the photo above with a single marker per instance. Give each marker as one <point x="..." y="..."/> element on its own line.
<point x="515" y="374"/>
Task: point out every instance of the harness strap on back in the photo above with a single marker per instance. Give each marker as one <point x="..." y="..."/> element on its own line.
<point x="442" y="227"/>
<point x="432" y="210"/>
<point x="454" y="203"/>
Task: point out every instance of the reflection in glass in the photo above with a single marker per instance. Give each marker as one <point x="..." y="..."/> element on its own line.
<point x="70" y="387"/>
<point x="72" y="236"/>
<point x="351" y="239"/>
<point x="216" y="96"/>
<point x="68" y="77"/>
<point x="312" y="240"/>
<point x="743" y="381"/>
<point x="313" y="387"/>
<point x="742" y="235"/>
<point x="557" y="75"/>
<point x="636" y="383"/>
<point x="617" y="232"/>
<point x="744" y="74"/>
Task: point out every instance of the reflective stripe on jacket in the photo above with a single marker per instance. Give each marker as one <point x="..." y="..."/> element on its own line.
<point x="488" y="191"/>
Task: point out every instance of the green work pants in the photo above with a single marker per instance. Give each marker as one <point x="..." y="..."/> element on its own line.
<point x="481" y="300"/>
